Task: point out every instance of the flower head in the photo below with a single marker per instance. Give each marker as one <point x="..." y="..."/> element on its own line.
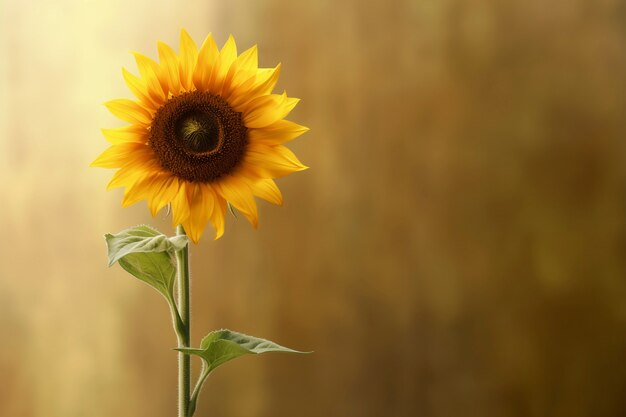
<point x="205" y="130"/>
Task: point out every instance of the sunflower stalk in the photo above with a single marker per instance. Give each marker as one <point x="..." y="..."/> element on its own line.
<point x="183" y="332"/>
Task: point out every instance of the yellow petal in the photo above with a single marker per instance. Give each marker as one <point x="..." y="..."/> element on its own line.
<point x="239" y="194"/>
<point x="265" y="110"/>
<point x="129" y="111"/>
<point x="137" y="191"/>
<point x="206" y="61"/>
<point x="201" y="201"/>
<point x="267" y="190"/>
<point x="131" y="197"/>
<point x="243" y="67"/>
<point x="188" y="59"/>
<point x="277" y="133"/>
<point x="237" y="94"/>
<point x="133" y="133"/>
<point x="138" y="88"/>
<point x="228" y="54"/>
<point x="266" y="79"/>
<point x="129" y="174"/>
<point x="142" y="186"/>
<point x="154" y="184"/>
<point x="169" y="67"/>
<point x="217" y="219"/>
<point x="180" y="205"/>
<point x="271" y="161"/>
<point x="261" y="84"/>
<point x="117" y="155"/>
<point x="149" y="71"/>
<point x="163" y="193"/>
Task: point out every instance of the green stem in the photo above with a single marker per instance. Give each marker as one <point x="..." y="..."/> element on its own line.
<point x="177" y="322"/>
<point x="196" y="391"/>
<point x="184" y="361"/>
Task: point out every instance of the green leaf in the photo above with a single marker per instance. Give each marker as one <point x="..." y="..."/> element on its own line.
<point x="142" y="239"/>
<point x="221" y="346"/>
<point x="148" y="255"/>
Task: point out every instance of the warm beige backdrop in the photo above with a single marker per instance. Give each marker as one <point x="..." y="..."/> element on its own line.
<point x="458" y="247"/>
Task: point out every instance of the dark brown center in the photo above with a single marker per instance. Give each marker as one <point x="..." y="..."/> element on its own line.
<point x="198" y="136"/>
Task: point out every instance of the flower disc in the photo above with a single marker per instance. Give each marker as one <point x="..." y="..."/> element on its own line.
<point x="198" y="136"/>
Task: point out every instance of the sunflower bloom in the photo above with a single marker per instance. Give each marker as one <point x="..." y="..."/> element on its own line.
<point x="204" y="131"/>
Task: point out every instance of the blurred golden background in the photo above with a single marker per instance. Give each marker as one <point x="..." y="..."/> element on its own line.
<point x="458" y="247"/>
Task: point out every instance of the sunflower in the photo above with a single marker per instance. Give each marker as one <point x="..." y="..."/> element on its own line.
<point x="205" y="131"/>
